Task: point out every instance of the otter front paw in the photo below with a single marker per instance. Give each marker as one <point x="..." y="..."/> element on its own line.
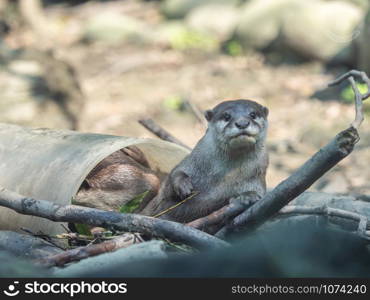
<point x="184" y="188"/>
<point x="182" y="185"/>
<point x="246" y="199"/>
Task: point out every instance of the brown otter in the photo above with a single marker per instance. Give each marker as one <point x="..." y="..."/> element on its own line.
<point x="117" y="179"/>
<point x="228" y="164"/>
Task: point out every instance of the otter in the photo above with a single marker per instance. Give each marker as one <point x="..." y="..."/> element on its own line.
<point x="117" y="179"/>
<point x="228" y="164"/>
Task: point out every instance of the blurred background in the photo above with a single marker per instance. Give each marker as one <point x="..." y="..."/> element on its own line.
<point x="99" y="66"/>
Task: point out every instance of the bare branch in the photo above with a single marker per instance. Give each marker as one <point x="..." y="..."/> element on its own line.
<point x="358" y="104"/>
<point x="197" y="112"/>
<point x="353" y="73"/>
<point x="358" y="96"/>
<point x="160" y="132"/>
<point x="124" y="222"/>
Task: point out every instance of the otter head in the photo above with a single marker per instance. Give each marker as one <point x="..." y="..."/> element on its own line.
<point x="238" y="124"/>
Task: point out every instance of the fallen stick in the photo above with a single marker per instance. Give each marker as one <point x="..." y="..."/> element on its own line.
<point x="321" y="162"/>
<point x="325" y="211"/>
<point x="160" y="132"/>
<point x="342" y="215"/>
<point x="173" y="231"/>
<point x="79" y="253"/>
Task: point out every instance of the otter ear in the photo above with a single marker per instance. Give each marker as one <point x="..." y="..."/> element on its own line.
<point x="265" y="111"/>
<point x="208" y="114"/>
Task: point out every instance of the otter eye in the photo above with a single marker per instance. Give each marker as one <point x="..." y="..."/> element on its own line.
<point x="253" y="115"/>
<point x="226" y="116"/>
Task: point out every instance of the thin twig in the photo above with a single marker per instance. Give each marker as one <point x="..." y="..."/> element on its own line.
<point x="176" y="205"/>
<point x="79" y="253"/>
<point x="354" y="73"/>
<point x="65" y="228"/>
<point x="359" y="117"/>
<point x="358" y="96"/>
<point x="44" y="237"/>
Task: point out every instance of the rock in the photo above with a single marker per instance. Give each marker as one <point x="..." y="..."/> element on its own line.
<point x="22" y="245"/>
<point x="361" y="3"/>
<point x="260" y="22"/>
<point x="95" y="265"/>
<point x="316" y="29"/>
<point x="176" y="9"/>
<point x="334" y="182"/>
<point x="12" y="266"/>
<point x="25" y="99"/>
<point x="114" y="28"/>
<point x="167" y="31"/>
<point x="321" y="30"/>
<point x="218" y="20"/>
<point x="179" y="36"/>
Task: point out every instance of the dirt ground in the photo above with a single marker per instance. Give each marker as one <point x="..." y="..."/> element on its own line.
<point x="129" y="81"/>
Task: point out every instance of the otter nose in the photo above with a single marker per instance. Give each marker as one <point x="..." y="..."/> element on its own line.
<point x="242" y="123"/>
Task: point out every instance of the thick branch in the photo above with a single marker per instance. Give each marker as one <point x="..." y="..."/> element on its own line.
<point x="326" y="158"/>
<point x="124" y="222"/>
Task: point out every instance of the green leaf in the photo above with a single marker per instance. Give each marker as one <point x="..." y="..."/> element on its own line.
<point x="234" y="48"/>
<point x="348" y="95"/>
<point x="173" y="102"/>
<point x="182" y="38"/>
<point x="83" y="229"/>
<point x="133" y="204"/>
